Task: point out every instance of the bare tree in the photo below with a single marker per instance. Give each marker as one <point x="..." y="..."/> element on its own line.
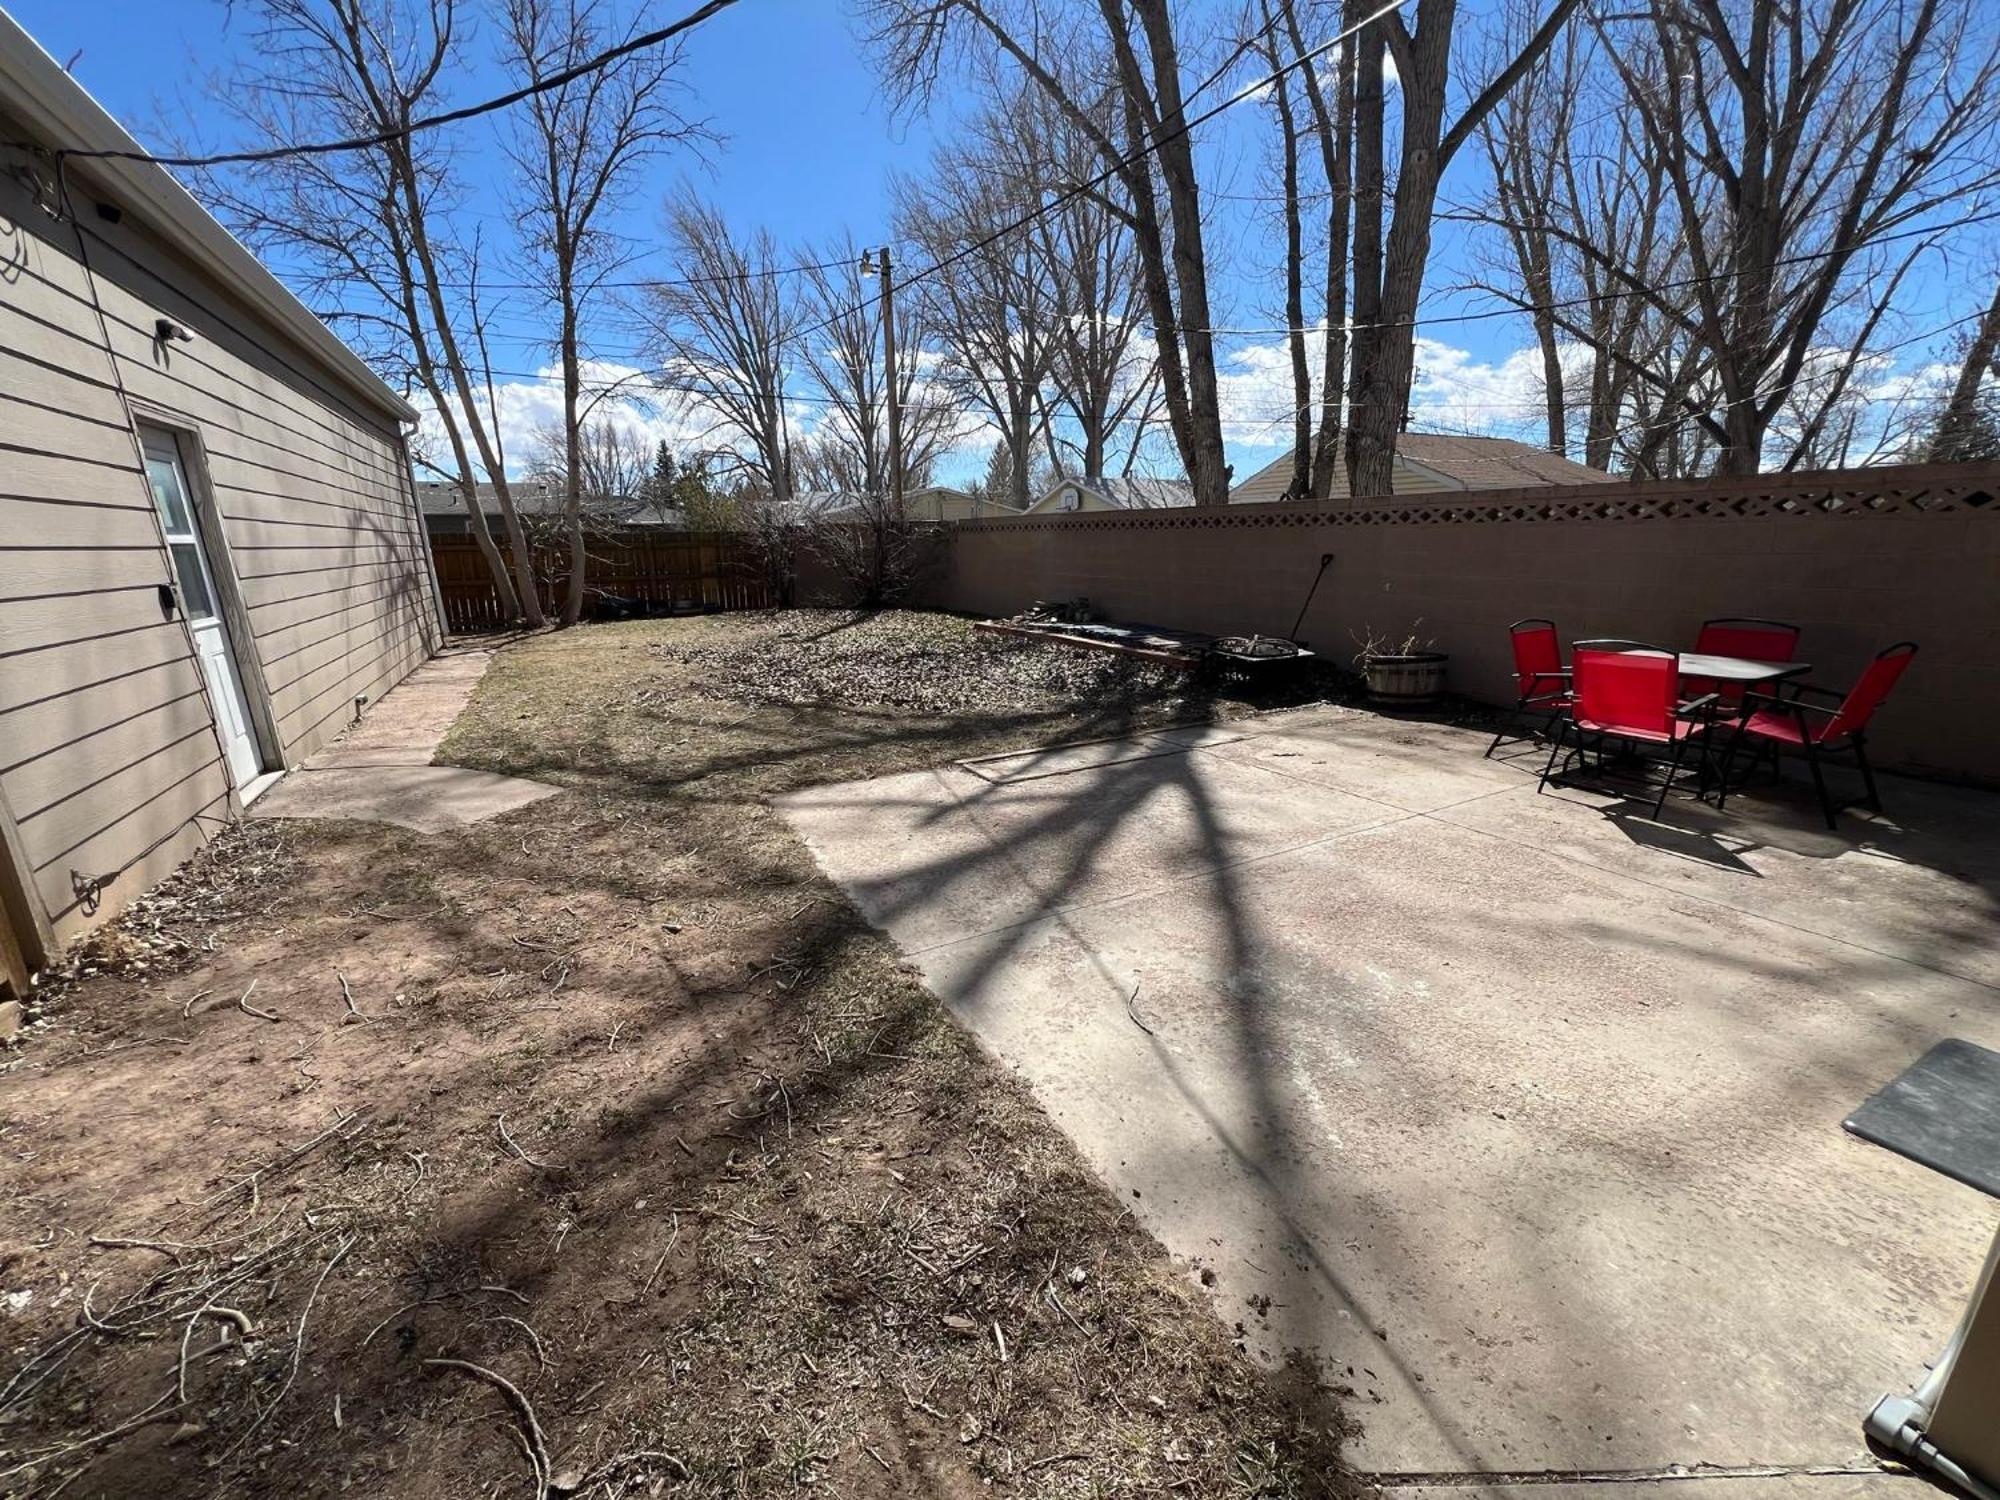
<point x="875" y="547"/>
<point x="1966" y="426"/>
<point x="373" y="229"/>
<point x="993" y="313"/>
<point x="843" y="353"/>
<point x="1797" y="142"/>
<point x="1593" y="254"/>
<point x="615" y="462"/>
<point x="1389" y="262"/>
<point x="1270" y="47"/>
<point x="1104" y="381"/>
<point x="722" y="328"/>
<point x="576" y="153"/>
<point x="1130" y="47"/>
<point x="1333" y="129"/>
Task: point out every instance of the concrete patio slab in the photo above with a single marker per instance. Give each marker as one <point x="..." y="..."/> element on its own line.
<point x="1530" y="1127"/>
<point x="427" y="798"/>
<point x="380" y="770"/>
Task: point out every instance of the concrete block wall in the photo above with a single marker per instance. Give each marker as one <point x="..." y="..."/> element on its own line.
<point x="1858" y="559"/>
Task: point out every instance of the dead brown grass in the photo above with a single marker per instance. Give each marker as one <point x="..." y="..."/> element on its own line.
<point x="649" y="1168"/>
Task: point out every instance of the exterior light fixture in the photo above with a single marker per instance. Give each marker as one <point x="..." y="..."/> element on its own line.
<point x="167" y="331"/>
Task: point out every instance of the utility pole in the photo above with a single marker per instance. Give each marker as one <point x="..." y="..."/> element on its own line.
<point x="883" y="270"/>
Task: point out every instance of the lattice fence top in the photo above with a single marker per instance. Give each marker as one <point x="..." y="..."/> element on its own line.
<point x="1845" y="493"/>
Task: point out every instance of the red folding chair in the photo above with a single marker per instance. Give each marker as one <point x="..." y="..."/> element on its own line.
<point x="1632" y="695"/>
<point x="1751" y="639"/>
<point x="1773" y="725"/>
<point x="1539" y="676"/>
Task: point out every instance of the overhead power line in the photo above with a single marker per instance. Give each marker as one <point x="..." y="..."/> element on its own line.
<point x="429" y="122"/>
<point x="1137" y="154"/>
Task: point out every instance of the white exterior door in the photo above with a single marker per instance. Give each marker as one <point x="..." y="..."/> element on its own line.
<point x="195" y="586"/>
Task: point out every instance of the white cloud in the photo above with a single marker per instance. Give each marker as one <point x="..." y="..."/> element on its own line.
<point x="1454" y="390"/>
<point x="526" y="409"/>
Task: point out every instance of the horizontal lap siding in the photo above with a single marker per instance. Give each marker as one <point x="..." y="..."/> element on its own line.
<point x="108" y="757"/>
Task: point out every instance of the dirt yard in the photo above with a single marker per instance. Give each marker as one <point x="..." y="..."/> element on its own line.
<point x="600" y="1149"/>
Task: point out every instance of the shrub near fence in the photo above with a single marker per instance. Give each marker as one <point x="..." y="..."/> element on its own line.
<point x="662" y="572"/>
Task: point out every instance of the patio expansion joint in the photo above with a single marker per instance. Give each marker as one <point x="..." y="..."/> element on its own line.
<point x="1456" y="1479"/>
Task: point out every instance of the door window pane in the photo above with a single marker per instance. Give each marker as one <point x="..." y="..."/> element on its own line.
<point x="167" y="496"/>
<point x="195" y="602"/>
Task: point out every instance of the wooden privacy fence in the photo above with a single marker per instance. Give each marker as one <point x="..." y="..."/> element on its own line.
<point x="679" y="571"/>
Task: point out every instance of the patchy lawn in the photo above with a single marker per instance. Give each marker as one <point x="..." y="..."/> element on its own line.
<point x="637" y="1164"/>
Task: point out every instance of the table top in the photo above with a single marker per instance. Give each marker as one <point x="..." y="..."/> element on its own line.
<point x="1739" y="668"/>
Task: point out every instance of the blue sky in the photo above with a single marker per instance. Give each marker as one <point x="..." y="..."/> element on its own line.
<point x="808" y="148"/>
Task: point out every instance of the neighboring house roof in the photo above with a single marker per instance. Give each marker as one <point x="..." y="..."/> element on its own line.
<point x="1118" y="492"/>
<point x="932" y="501"/>
<point x="54" y="106"/>
<point x="1434" y="461"/>
<point x="536" y="497"/>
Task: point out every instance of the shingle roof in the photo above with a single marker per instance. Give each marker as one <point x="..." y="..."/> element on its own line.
<point x="1432" y="461"/>
<point x="531" y="497"/>
<point x="1130" y="491"/>
<point x="1494" y="463"/>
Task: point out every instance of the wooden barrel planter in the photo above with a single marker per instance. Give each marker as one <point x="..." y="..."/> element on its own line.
<point x="1406" y="680"/>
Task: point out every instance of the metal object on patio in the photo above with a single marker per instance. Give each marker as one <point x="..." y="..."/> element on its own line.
<point x="1944" y="1111"/>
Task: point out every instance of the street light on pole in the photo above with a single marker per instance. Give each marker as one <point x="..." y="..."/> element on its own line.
<point x="880" y="267"/>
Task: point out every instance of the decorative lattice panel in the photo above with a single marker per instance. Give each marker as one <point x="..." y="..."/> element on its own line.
<point x="1844" y="494"/>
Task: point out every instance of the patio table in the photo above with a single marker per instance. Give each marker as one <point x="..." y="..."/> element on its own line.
<point x="1741" y="669"/>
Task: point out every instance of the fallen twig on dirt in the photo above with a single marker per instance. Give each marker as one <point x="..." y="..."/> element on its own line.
<point x="243" y="1004"/>
<point x="516" y="1147"/>
<point x="158" y="1411"/>
<point x="524" y="1411"/>
<point x="347" y="995"/>
<point x="298" y="1345"/>
<point x="534" y="1338"/>
<point x="290" y="1157"/>
<point x="169" y="1248"/>
<point x="187" y="1005"/>
<point x="464" y="1291"/>
<point x="1053" y="1458"/>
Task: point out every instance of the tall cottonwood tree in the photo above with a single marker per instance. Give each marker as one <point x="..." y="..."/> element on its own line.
<point x="723" y="327"/>
<point x="1069" y="54"/>
<point x="1590" y="249"/>
<point x="1794" y="165"/>
<point x="1104" y="391"/>
<point x="576" y="151"/>
<point x="1392" y="230"/>
<point x="992" y="310"/>
<point x="375" y="229"/>
<point x="841" y="348"/>
<point x="1966" y="427"/>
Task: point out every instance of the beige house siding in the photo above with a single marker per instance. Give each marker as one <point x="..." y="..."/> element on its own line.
<point x="109" y="759"/>
<point x="1087" y="500"/>
<point x="1267" y="485"/>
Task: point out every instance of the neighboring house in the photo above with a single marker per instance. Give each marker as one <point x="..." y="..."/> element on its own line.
<point x="445" y="514"/>
<point x="1123" y="492"/>
<point x="209" y="550"/>
<point x="940" y="503"/>
<point x="1428" y="462"/>
<point x="935" y="502"/>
